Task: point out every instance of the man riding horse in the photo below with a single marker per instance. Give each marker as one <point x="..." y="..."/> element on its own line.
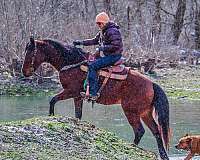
<point x="110" y="44"/>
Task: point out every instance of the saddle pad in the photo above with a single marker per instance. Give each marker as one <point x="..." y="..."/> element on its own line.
<point x="105" y="74"/>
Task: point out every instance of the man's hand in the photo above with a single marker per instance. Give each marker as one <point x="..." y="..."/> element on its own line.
<point x="100" y="48"/>
<point x="97" y="53"/>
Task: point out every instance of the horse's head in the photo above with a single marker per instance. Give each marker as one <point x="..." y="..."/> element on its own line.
<point x="50" y="51"/>
<point x="34" y="57"/>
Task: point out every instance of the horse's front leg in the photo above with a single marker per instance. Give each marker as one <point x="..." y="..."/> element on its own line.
<point x="78" y="102"/>
<point x="64" y="94"/>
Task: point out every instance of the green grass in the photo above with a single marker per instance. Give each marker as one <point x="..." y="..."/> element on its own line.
<point x="18" y="89"/>
<point x="180" y="83"/>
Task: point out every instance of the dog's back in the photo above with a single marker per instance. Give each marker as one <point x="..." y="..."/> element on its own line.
<point x="195" y="144"/>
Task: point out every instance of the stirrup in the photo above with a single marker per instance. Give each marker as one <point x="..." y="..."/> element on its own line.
<point x="83" y="94"/>
<point x="94" y="98"/>
<point x="89" y="97"/>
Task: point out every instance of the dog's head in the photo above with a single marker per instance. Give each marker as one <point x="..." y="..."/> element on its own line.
<point x="184" y="143"/>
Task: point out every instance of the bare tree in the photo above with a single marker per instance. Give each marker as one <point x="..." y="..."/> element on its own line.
<point x="6" y="31"/>
<point x="128" y="17"/>
<point x="107" y="6"/>
<point x="143" y="23"/>
<point x="197" y="26"/>
<point x="178" y="20"/>
<point x="94" y="7"/>
<point x="54" y="16"/>
<point x="86" y="9"/>
<point x="156" y="27"/>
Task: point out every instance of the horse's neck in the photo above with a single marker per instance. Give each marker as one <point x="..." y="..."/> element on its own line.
<point x="54" y="59"/>
<point x="58" y="61"/>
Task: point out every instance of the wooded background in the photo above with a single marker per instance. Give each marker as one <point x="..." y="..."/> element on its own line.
<point x="149" y="27"/>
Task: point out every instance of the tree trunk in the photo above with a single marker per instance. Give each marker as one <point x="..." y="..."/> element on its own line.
<point x="178" y="20"/>
<point x="86" y="9"/>
<point x="107" y="6"/>
<point x="197" y="28"/>
<point x="156" y="28"/>
<point x="53" y="13"/>
<point x="94" y="6"/>
<point x="128" y="17"/>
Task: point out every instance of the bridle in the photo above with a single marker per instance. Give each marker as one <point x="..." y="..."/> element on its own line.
<point x="62" y="69"/>
<point x="32" y="64"/>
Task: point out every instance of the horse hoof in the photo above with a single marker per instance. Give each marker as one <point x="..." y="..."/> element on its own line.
<point x="164" y="157"/>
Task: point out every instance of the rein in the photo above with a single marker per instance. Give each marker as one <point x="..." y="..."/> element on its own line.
<point x="73" y="65"/>
<point x="36" y="74"/>
<point x="77" y="64"/>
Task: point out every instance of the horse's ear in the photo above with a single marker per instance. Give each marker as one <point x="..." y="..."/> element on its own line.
<point x="32" y="41"/>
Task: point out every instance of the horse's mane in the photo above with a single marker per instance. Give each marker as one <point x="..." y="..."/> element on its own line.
<point x="70" y="53"/>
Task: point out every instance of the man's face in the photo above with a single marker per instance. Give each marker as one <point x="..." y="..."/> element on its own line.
<point x="100" y="25"/>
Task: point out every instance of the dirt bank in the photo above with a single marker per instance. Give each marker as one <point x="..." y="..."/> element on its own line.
<point x="63" y="138"/>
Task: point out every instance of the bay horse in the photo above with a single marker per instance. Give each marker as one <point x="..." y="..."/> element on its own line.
<point x="138" y="96"/>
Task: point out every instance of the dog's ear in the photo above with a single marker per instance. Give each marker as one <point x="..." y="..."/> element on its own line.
<point x="186" y="135"/>
<point x="189" y="140"/>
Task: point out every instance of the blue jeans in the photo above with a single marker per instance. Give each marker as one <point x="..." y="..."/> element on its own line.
<point x="97" y="65"/>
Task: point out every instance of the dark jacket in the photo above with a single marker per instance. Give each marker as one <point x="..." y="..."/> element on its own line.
<point x="111" y="37"/>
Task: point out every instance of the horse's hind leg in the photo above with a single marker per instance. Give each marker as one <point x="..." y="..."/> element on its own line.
<point x="138" y="129"/>
<point x="150" y="122"/>
<point x="134" y="121"/>
<point x="78" y="102"/>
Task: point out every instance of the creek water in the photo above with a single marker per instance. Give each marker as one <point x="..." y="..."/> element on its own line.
<point x="184" y="118"/>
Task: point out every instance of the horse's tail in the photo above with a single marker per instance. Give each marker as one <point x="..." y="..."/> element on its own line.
<point x="161" y="104"/>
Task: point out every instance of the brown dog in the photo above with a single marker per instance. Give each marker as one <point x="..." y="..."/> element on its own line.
<point x="191" y="144"/>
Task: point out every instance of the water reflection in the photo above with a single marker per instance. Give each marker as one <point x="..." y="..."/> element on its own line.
<point x="184" y="116"/>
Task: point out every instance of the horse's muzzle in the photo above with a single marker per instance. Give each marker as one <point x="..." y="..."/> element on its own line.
<point x="28" y="73"/>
